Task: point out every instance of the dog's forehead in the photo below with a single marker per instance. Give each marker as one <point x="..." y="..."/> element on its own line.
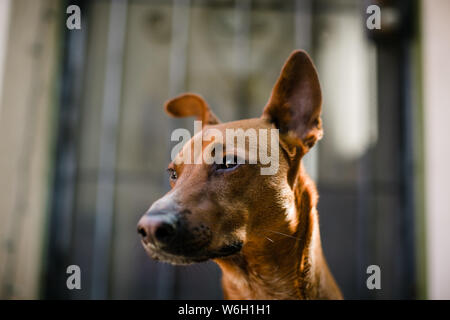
<point x="210" y="130"/>
<point x="255" y="123"/>
<point x="221" y="128"/>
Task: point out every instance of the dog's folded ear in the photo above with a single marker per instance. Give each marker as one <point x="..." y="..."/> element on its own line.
<point x="296" y="101"/>
<point x="190" y="104"/>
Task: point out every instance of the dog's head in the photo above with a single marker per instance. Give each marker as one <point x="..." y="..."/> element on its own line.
<point x="221" y="197"/>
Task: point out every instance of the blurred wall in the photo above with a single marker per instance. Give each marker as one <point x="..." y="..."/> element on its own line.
<point x="436" y="66"/>
<point x="235" y="72"/>
<point x="25" y="140"/>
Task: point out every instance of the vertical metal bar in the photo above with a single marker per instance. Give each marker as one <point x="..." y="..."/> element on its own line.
<point x="303" y="40"/>
<point x="177" y="84"/>
<point x="108" y="145"/>
<point x="64" y="181"/>
<point x="67" y="162"/>
<point x="407" y="249"/>
<point x="179" y="46"/>
<point x="363" y="213"/>
<point x="241" y="46"/>
<point x="407" y="223"/>
<point x="303" y="24"/>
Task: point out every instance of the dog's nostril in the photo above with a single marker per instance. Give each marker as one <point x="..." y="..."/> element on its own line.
<point x="156" y="229"/>
<point x="142" y="232"/>
<point x="164" y="232"/>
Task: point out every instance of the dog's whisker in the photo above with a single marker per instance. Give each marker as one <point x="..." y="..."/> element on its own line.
<point x="284" y="234"/>
<point x="269" y="239"/>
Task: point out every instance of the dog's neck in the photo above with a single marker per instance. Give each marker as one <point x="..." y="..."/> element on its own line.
<point x="285" y="264"/>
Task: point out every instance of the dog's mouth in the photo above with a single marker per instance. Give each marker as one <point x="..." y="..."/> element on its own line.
<point x="192" y="256"/>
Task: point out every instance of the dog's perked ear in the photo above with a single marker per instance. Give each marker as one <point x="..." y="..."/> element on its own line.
<point x="190" y="104"/>
<point x="296" y="101"/>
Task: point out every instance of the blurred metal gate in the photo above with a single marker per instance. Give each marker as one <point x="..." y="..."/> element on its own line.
<point x="113" y="142"/>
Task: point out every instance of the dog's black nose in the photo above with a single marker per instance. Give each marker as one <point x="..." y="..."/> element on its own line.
<point x="156" y="229"/>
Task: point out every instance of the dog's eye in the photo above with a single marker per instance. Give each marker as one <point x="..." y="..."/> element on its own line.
<point x="172" y="174"/>
<point x="228" y="164"/>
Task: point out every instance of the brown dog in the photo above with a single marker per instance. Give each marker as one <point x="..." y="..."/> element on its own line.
<point x="262" y="230"/>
